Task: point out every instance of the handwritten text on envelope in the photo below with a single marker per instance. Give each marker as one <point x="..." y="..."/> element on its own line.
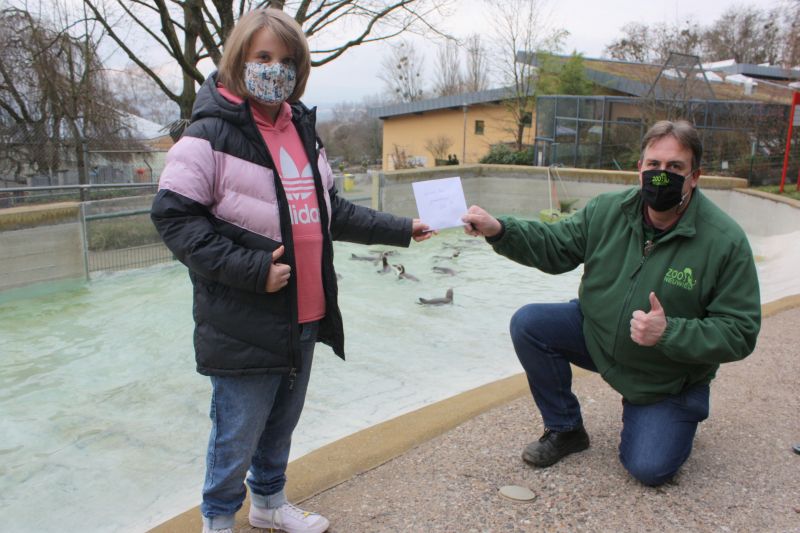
<point x="441" y="202"/>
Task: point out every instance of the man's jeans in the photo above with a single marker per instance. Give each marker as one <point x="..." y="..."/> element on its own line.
<point x="252" y="420"/>
<point x="656" y="439"/>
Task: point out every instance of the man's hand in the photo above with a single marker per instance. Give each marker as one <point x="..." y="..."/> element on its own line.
<point x="278" y="275"/>
<point x="647" y="328"/>
<point x="421" y="231"/>
<point x="479" y="223"/>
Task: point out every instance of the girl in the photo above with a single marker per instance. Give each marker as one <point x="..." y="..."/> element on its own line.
<point x="247" y="203"/>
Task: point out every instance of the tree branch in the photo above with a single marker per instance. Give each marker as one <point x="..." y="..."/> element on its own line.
<point x="133" y="57"/>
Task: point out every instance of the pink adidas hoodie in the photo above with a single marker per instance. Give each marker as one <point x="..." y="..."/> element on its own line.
<point x="294" y="169"/>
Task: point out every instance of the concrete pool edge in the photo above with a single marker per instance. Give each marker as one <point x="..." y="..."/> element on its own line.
<point x="339" y="461"/>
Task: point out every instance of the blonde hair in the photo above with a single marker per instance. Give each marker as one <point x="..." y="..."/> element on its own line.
<point x="237" y="46"/>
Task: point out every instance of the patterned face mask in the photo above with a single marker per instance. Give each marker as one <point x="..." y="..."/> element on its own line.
<point x="270" y="84"/>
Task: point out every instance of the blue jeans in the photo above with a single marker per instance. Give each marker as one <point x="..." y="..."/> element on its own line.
<point x="252" y="420"/>
<point x="656" y="438"/>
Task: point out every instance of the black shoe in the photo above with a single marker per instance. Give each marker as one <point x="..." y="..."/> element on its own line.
<point x="554" y="445"/>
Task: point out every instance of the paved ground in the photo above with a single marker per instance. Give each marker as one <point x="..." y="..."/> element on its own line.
<point x="742" y="475"/>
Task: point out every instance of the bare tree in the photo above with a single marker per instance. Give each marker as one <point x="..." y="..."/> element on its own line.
<point x="790" y="34"/>
<point x="351" y="135"/>
<point x="191" y="31"/>
<point x="53" y="93"/>
<point x="521" y="27"/>
<point x="652" y="44"/>
<point x="402" y="72"/>
<point x="142" y="96"/>
<point x="439" y="146"/>
<point x="745" y="34"/>
<point x="633" y="46"/>
<point x="476" y="76"/>
<point x="448" y="79"/>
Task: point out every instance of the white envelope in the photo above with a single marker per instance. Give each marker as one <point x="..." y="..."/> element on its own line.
<point x="441" y="202"/>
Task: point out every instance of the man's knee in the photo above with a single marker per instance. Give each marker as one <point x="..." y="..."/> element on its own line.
<point x="523" y="322"/>
<point x="650" y="471"/>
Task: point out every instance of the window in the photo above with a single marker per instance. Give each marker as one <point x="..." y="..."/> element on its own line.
<point x="479" y="125"/>
<point x="527" y="120"/>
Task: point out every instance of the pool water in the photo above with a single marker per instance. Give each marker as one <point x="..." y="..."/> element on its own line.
<point x="105" y="421"/>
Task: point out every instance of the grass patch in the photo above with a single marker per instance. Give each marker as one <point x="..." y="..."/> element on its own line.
<point x="789" y="190"/>
<point x="125" y="232"/>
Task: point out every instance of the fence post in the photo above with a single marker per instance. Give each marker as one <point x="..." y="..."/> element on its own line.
<point x="83" y="172"/>
<point x="84" y="239"/>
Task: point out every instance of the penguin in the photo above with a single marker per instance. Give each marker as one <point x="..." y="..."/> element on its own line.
<point x="400" y="270"/>
<point x="385" y="267"/>
<point x="453" y="256"/>
<point x="372" y="258"/>
<point x="444" y="270"/>
<point x="448" y="299"/>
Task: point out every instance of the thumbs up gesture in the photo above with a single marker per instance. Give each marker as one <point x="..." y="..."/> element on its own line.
<point x="647" y="328"/>
<point x="278" y="275"/>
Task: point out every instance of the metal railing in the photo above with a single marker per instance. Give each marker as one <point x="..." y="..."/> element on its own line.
<point x="17" y="196"/>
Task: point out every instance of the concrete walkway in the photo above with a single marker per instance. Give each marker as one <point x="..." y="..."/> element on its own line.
<point x="440" y="468"/>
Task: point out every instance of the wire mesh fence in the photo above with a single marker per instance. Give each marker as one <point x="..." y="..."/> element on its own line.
<point x="119" y="235"/>
<point x="42" y="170"/>
<point x="741" y="139"/>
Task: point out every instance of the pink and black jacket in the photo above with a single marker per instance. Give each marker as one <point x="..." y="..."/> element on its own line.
<point x="222" y="210"/>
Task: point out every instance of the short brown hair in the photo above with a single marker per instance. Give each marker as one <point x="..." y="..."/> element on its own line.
<point x="682" y="131"/>
<point x="237" y="46"/>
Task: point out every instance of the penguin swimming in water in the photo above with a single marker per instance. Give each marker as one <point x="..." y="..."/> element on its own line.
<point x="448" y="299"/>
<point x="444" y="270"/>
<point x="400" y="270"/>
<point x="373" y="258"/>
<point x="454" y="255"/>
<point x="385" y="268"/>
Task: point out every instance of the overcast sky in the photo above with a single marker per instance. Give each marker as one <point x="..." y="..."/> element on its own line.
<point x="591" y="25"/>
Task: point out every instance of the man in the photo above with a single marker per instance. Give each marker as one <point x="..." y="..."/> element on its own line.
<point x="669" y="291"/>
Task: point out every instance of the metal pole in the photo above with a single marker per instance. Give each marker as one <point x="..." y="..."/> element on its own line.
<point x="464" y="141"/>
<point x="795" y="103"/>
<point x="85" y="239"/>
<point x="83" y="169"/>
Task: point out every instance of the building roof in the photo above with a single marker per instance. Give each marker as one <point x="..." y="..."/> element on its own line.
<point x="723" y="80"/>
<point x="143" y="129"/>
<point x="456" y="101"/>
<point x="636" y="79"/>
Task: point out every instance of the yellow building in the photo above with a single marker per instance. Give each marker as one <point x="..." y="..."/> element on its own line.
<point x="465" y="126"/>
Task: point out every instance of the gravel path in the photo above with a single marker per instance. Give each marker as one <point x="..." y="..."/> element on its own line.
<point x="742" y="475"/>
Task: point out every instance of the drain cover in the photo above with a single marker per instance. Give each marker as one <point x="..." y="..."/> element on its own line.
<point x="517" y="493"/>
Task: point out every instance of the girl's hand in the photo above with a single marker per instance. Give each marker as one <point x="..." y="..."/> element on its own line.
<point x="279" y="273"/>
<point x="421" y="231"/>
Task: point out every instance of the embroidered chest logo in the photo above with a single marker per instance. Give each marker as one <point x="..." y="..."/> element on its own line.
<point x="681" y="278"/>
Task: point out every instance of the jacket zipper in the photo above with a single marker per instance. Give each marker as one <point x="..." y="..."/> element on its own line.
<point x="293" y="349"/>
<point x="649" y="246"/>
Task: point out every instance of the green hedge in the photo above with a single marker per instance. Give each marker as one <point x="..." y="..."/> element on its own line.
<point x="501" y="154"/>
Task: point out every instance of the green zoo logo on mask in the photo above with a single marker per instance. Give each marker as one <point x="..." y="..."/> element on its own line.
<point x="681" y="278"/>
<point x="660" y="180"/>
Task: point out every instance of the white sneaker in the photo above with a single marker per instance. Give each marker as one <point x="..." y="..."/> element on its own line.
<point x="224" y="530"/>
<point x="288" y="518"/>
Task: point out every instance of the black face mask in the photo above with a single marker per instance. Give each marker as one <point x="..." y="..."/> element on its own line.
<point x="661" y="189"/>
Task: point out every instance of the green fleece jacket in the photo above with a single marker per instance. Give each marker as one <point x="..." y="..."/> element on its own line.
<point x="702" y="272"/>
